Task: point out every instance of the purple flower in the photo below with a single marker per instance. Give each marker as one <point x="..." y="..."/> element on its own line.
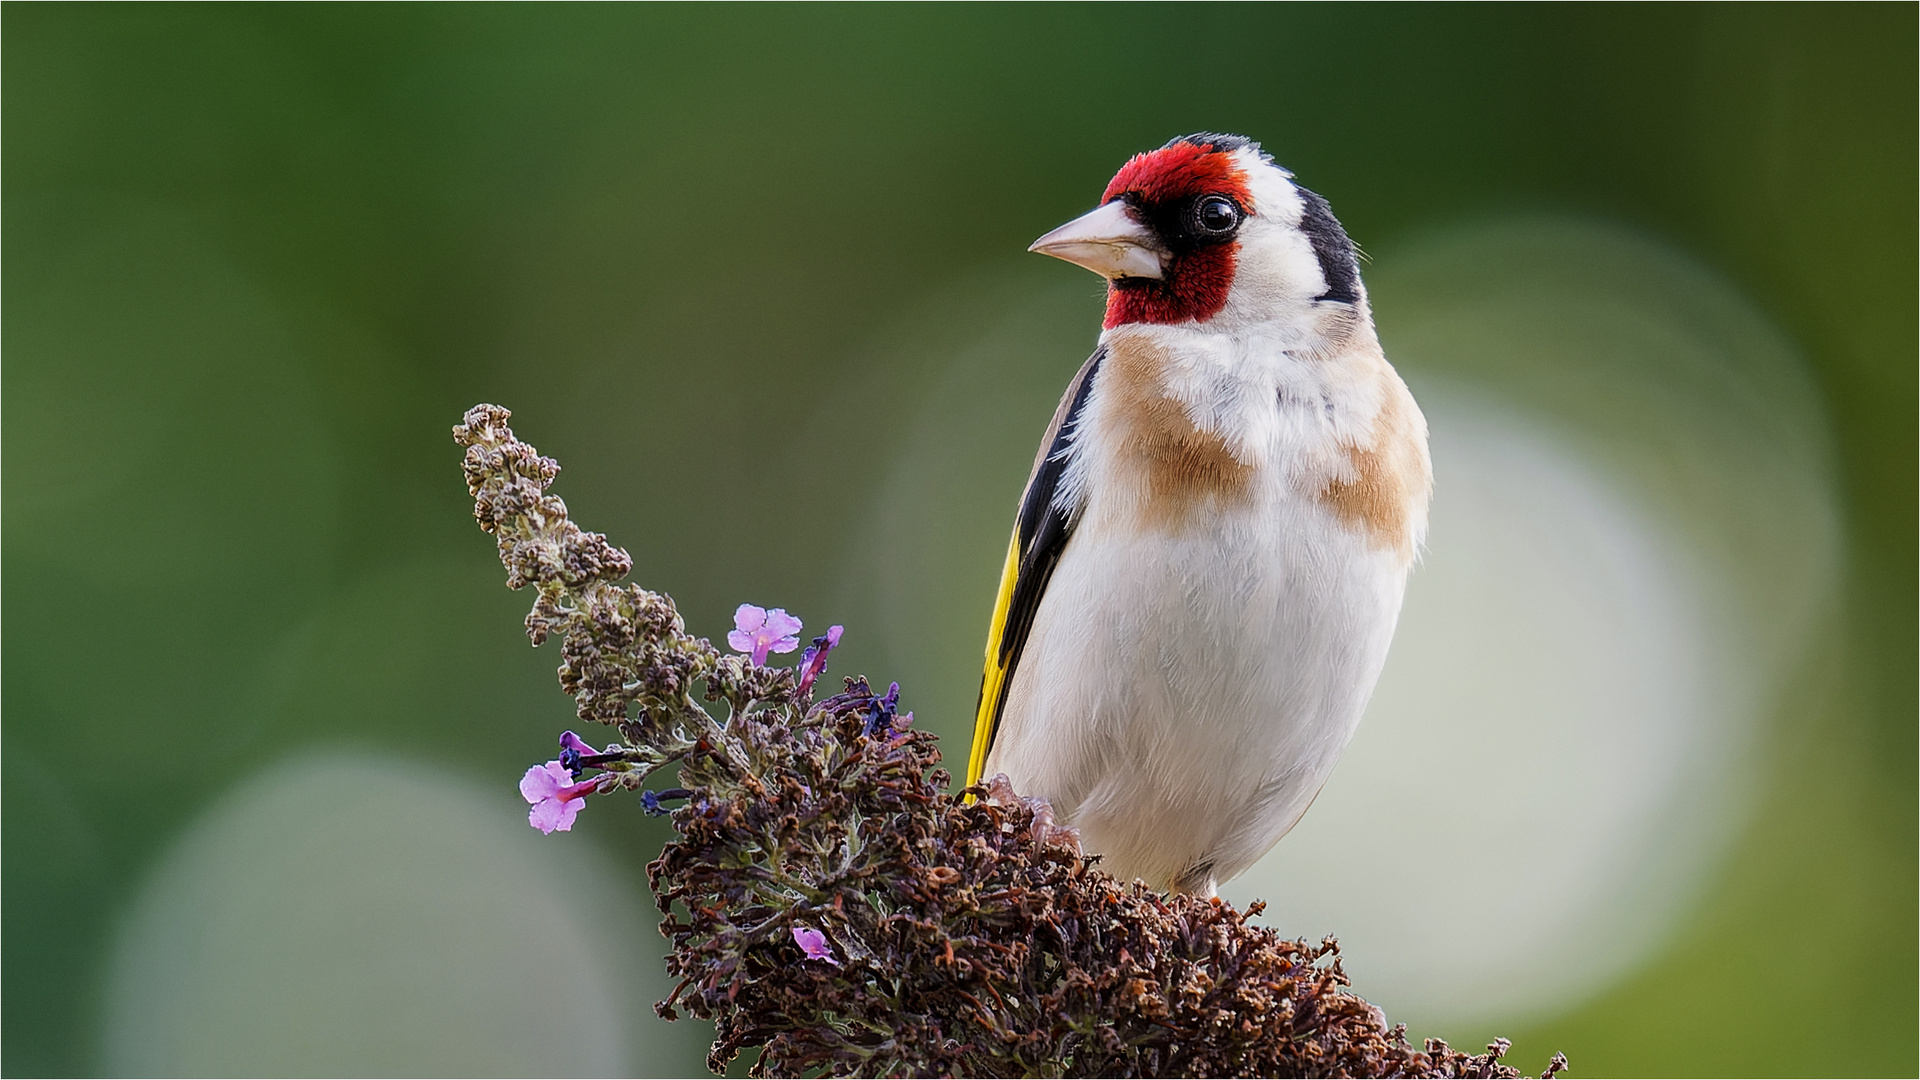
<point x="555" y="802"/>
<point x="880" y="714"/>
<point x="814" y="944"/>
<point x="759" y="631"/>
<point x="572" y="749"/>
<point x="814" y="660"/>
<point x="651" y="800"/>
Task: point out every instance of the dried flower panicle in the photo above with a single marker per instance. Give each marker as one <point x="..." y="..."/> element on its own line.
<point x="833" y="905"/>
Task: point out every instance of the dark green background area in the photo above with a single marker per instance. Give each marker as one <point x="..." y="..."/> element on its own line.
<point x="259" y="259"/>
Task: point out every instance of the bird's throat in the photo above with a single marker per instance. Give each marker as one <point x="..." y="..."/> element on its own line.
<point x="1194" y="289"/>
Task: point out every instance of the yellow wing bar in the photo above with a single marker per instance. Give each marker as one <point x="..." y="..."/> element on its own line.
<point x="993" y="680"/>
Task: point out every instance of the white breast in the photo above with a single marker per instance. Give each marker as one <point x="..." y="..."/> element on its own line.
<point x="1218" y="619"/>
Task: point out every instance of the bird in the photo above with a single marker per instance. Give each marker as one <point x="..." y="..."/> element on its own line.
<point x="1213" y="544"/>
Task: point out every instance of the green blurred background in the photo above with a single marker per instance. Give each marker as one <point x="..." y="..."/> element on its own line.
<point x="259" y="259"/>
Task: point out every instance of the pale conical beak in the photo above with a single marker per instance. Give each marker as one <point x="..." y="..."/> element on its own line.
<point x="1107" y="241"/>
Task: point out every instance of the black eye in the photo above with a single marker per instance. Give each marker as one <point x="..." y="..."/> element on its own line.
<point x="1216" y="215"/>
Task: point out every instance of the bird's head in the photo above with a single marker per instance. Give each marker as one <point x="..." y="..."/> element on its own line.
<point x="1207" y="229"/>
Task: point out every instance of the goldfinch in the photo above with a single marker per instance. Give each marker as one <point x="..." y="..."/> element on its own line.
<point x="1213" y="544"/>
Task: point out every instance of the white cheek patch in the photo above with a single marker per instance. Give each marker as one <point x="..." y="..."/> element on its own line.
<point x="1277" y="261"/>
<point x="1276" y="270"/>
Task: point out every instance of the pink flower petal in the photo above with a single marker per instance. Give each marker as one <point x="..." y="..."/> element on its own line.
<point x="779" y="624"/>
<point x="814" y="944"/>
<point x="549" y="815"/>
<point x="543" y="781"/>
<point x="747" y="618"/>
